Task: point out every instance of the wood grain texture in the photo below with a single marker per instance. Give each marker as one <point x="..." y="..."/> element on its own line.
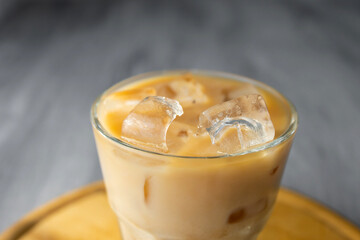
<point x="57" y="56"/>
<point x="85" y="214"/>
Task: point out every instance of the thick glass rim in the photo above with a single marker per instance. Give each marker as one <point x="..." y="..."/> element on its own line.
<point x="290" y="131"/>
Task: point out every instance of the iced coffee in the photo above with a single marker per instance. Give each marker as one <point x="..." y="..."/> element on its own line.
<point x="192" y="155"/>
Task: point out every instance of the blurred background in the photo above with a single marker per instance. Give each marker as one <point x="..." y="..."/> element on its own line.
<point x="57" y="56"/>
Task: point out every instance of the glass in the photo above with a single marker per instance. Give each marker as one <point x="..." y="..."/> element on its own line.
<point x="160" y="196"/>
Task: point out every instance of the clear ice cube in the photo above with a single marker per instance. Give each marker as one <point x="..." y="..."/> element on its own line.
<point x="238" y="124"/>
<point x="148" y="122"/>
<point x="186" y="91"/>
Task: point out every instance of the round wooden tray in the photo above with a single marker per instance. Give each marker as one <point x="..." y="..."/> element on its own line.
<point x="85" y="214"/>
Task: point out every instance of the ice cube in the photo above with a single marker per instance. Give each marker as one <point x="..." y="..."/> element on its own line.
<point x="238" y="124"/>
<point x="148" y="122"/>
<point x="187" y="91"/>
<point x="126" y="100"/>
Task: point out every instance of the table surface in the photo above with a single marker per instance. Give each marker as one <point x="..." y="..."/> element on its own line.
<point x="57" y="56"/>
<point x="70" y="217"/>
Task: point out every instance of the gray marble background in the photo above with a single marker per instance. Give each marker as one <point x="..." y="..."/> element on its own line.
<point x="57" y="56"/>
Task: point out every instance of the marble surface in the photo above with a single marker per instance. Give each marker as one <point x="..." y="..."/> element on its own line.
<point x="57" y="56"/>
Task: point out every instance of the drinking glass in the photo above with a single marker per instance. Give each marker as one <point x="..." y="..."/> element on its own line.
<point x="159" y="196"/>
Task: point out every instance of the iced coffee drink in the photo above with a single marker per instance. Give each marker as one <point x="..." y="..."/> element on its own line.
<point x="192" y="155"/>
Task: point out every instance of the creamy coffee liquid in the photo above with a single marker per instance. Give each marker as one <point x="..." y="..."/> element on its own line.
<point x="198" y="94"/>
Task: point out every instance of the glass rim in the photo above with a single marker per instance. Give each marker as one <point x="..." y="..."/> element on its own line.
<point x="290" y="131"/>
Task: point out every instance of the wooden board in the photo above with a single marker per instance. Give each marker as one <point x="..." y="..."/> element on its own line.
<point x="86" y="215"/>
